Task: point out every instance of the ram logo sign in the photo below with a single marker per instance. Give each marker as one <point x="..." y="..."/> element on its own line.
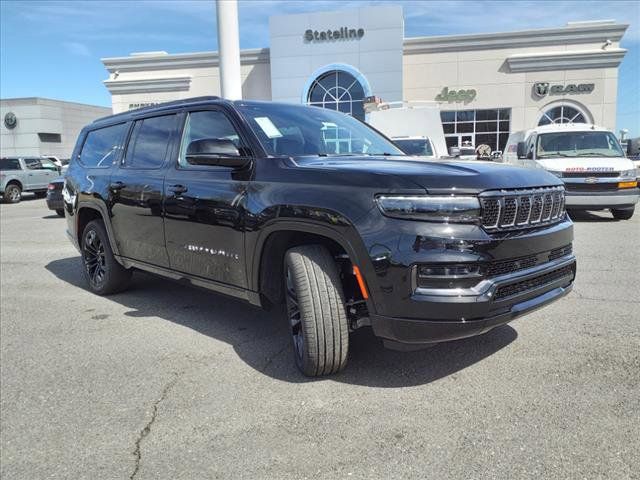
<point x="542" y="89"/>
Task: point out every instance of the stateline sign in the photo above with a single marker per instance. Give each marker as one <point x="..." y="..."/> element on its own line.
<point x="344" y="33"/>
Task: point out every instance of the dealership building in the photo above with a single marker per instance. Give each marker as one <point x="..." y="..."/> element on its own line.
<point x="487" y="85"/>
<point x="35" y="126"/>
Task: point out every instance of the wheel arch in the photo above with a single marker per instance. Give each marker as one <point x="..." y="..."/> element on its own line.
<point x="15" y="181"/>
<point x="268" y="256"/>
<point x="87" y="212"/>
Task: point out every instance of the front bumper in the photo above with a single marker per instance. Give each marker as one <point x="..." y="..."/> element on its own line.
<point x="601" y="200"/>
<point x="485" y="310"/>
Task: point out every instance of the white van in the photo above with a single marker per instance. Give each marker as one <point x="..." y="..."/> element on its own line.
<point x="415" y="127"/>
<point x="590" y="161"/>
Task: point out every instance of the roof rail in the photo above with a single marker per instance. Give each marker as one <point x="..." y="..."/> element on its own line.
<point x="172" y="103"/>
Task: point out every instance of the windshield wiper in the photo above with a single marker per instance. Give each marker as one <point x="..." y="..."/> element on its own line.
<point x="594" y="154"/>
<point x="558" y="154"/>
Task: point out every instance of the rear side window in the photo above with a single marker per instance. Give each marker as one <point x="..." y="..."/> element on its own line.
<point x="149" y="142"/>
<point x="101" y="146"/>
<point x="9" y="164"/>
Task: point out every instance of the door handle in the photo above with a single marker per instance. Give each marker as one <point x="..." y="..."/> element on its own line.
<point x="115" y="186"/>
<point x="177" y="189"/>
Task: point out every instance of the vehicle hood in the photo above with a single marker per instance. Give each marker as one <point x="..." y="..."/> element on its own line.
<point x="473" y="176"/>
<point x="585" y="164"/>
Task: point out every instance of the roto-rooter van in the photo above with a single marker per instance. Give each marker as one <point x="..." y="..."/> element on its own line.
<point x="590" y="161"/>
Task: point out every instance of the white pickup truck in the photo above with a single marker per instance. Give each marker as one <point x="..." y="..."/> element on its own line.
<point x="590" y="161"/>
<point x="25" y="174"/>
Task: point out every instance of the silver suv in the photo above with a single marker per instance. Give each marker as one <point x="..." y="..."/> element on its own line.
<point x="25" y="174"/>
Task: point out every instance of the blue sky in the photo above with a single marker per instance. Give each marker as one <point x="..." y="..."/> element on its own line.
<point x="53" y="49"/>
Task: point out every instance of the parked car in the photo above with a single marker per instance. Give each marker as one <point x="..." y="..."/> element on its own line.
<point x="406" y="122"/>
<point x="61" y="163"/>
<point x="54" y="196"/>
<point x="590" y="161"/>
<point x="415" y="146"/>
<point x="279" y="203"/>
<point x="25" y="174"/>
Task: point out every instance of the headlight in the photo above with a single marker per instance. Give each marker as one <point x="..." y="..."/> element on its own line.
<point x="430" y="208"/>
<point x="629" y="173"/>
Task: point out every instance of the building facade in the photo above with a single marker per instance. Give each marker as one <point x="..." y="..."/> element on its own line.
<point x="41" y="126"/>
<point x="487" y="84"/>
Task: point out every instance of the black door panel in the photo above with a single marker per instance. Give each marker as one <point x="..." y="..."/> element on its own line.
<point x="137" y="189"/>
<point x="204" y="207"/>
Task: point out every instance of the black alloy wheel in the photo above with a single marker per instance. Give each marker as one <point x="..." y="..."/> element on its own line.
<point x="95" y="259"/>
<point x="295" y="321"/>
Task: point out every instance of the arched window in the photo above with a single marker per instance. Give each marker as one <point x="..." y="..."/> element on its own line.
<point x="338" y="90"/>
<point x="563" y="113"/>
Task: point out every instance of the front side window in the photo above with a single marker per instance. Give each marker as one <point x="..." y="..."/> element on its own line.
<point x="208" y="124"/>
<point x="101" y="147"/>
<point x="149" y="142"/>
<point x="295" y="130"/>
<point x="33" y="164"/>
<point x="578" y="144"/>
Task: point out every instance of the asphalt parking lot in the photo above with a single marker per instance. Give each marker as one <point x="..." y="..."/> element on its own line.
<point x="165" y="381"/>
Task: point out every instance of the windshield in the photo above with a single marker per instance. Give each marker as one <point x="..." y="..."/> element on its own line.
<point x="295" y="130"/>
<point x="578" y="144"/>
<point x="415" y="146"/>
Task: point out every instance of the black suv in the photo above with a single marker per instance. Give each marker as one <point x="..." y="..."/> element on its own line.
<point x="280" y="204"/>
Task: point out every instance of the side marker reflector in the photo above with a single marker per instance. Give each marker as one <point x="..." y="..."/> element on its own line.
<point x="363" y="287"/>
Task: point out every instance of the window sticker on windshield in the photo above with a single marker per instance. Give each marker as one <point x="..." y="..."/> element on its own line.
<point x="268" y="127"/>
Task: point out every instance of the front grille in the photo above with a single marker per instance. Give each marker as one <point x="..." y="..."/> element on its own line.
<point x="535" y="282"/>
<point x="592" y="187"/>
<point x="521" y="209"/>
<point x="502" y="267"/>
<point x="560" y="252"/>
<point x="590" y="174"/>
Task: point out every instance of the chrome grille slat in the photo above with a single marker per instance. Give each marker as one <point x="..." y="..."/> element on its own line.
<point x="521" y="209"/>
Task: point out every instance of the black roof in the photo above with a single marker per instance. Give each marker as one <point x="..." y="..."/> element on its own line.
<point x="158" y="108"/>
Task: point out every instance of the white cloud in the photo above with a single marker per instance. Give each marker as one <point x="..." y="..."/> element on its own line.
<point x="77" y="48"/>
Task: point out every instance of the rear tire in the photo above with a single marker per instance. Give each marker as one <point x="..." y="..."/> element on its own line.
<point x="12" y="193"/>
<point x="60" y="212"/>
<point x="101" y="270"/>
<point x="316" y="312"/>
<point x="622" y="213"/>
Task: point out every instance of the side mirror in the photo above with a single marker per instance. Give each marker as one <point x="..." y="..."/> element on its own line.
<point x="215" y="152"/>
<point x="522" y="150"/>
<point x="454" y="151"/>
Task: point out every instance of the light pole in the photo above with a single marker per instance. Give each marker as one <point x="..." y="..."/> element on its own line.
<point x="229" y="49"/>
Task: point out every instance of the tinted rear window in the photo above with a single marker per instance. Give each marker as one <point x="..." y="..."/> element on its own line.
<point x="9" y="164"/>
<point x="149" y="142"/>
<point x="102" y="146"/>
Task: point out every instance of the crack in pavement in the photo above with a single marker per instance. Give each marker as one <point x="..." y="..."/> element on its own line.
<point x="147" y="428"/>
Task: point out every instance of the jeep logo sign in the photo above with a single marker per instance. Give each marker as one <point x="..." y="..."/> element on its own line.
<point x="451" y="96"/>
<point x="542" y="89"/>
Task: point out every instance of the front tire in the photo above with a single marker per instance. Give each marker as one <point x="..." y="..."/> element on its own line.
<point x="101" y="270"/>
<point x="316" y="312"/>
<point x="12" y="193"/>
<point x="60" y="212"/>
<point x="623" y="214"/>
